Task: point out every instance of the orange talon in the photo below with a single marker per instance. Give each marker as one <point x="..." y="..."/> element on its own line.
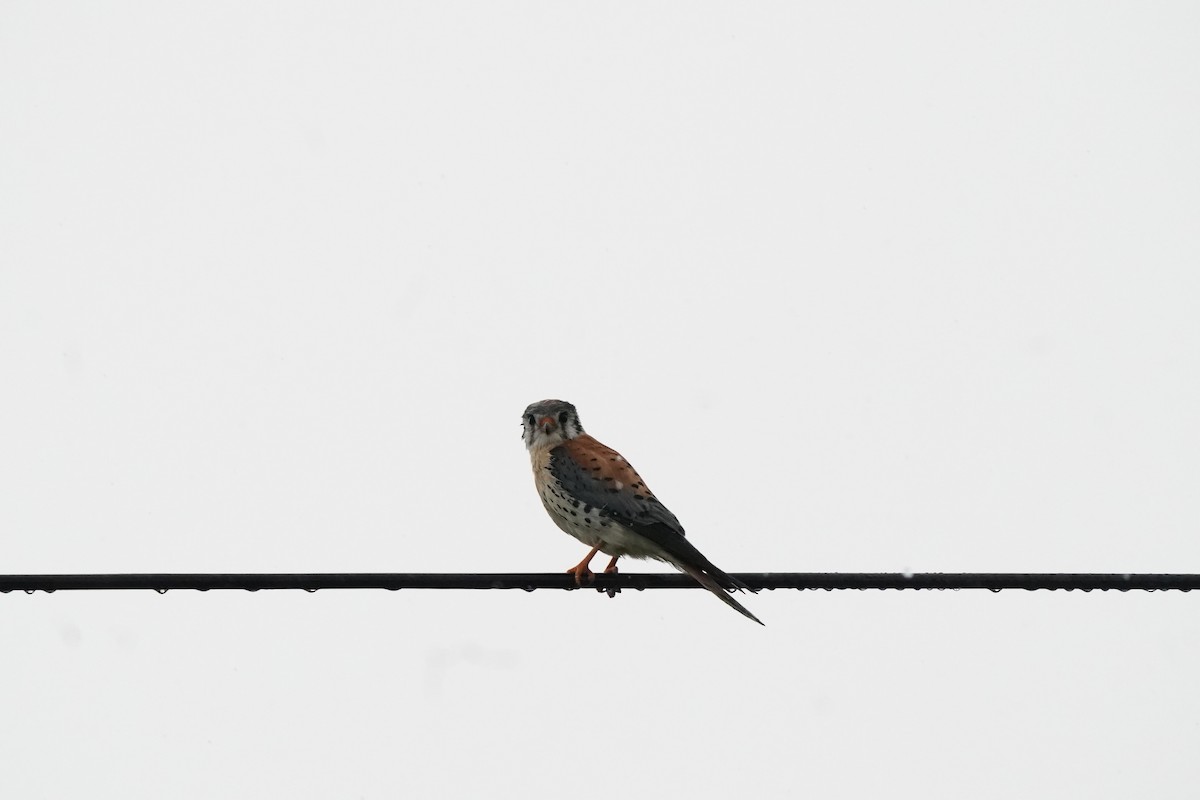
<point x="611" y="569"/>
<point x="582" y="571"/>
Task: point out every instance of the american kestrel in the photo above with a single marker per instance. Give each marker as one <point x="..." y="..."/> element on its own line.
<point x="594" y="494"/>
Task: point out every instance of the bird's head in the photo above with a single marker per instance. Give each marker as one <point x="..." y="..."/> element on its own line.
<point x="549" y="423"/>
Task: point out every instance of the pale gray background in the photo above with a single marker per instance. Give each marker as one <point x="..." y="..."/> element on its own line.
<point x="856" y="286"/>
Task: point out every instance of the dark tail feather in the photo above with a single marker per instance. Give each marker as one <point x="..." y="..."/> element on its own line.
<point x="710" y="582"/>
<point x="725" y="579"/>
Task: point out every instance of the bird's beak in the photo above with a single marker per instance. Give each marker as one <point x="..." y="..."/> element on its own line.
<point x="547" y="424"/>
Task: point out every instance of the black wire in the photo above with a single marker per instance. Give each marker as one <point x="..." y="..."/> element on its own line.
<point x="995" y="581"/>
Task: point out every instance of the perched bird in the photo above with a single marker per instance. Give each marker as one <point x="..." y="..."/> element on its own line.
<point x="594" y="494"/>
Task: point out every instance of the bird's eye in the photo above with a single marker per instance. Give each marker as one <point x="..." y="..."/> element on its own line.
<point x="562" y="418"/>
<point x="529" y="418"/>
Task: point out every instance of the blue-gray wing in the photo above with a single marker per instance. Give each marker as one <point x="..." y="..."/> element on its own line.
<point x="601" y="480"/>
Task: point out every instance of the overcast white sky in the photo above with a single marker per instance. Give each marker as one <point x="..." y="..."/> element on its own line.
<point x="856" y="286"/>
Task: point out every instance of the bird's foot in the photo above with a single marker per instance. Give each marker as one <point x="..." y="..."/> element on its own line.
<point x="611" y="569"/>
<point x="582" y="571"/>
<point x="583" y="575"/>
